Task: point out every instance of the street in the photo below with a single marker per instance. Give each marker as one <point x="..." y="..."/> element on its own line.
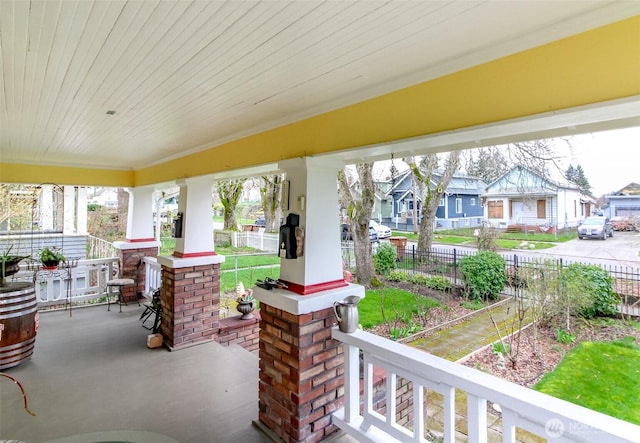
<point x="622" y="249"/>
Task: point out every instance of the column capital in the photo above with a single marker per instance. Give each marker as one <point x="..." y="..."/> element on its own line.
<point x="304" y="304"/>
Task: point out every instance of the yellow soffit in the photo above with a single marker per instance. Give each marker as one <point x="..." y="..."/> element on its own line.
<point x="596" y="66"/>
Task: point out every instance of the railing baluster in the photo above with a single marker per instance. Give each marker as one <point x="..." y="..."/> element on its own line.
<point x="351" y="382"/>
<point x="477" y="418"/>
<point x="418" y="411"/>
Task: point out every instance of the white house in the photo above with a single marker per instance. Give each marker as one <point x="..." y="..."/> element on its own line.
<point x="522" y="199"/>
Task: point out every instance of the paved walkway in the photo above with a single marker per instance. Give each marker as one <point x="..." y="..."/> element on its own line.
<point x="458" y="341"/>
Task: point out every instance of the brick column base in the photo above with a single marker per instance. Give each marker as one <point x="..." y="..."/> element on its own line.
<point x="190" y="299"/>
<point x="134" y="267"/>
<point x="301" y="370"/>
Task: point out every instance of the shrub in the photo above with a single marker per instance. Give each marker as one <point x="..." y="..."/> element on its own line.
<point x="565" y="337"/>
<point x="483" y="274"/>
<point x="384" y="260"/>
<point x="596" y="284"/>
<point x="439" y="283"/>
<point x="419" y="279"/>
<point x="398" y="276"/>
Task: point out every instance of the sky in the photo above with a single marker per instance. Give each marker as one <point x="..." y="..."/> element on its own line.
<point x="611" y="159"/>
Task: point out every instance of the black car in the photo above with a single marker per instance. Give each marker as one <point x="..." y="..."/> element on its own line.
<point x="346" y="234"/>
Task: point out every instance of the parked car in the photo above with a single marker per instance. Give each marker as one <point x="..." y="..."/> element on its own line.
<point x="595" y="227"/>
<point x="346" y="234"/>
<point x="382" y="230"/>
<point x="260" y="221"/>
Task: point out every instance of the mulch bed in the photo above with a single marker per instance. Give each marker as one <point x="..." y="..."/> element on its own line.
<point x="534" y="358"/>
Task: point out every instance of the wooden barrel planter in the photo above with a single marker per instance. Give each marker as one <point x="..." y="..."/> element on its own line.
<point x="18" y="317"/>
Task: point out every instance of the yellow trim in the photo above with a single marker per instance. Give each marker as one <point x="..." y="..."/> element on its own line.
<point x="596" y="66"/>
<point x="63" y="175"/>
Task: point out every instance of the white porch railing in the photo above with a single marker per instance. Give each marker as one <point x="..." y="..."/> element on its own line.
<point x="523" y="408"/>
<point x="153" y="275"/>
<point x="86" y="281"/>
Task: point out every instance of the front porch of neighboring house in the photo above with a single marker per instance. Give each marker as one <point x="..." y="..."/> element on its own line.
<point x="536" y="214"/>
<point x="91" y="370"/>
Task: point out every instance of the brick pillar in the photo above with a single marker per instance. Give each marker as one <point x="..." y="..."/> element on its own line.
<point x="190" y="299"/>
<point x="301" y="370"/>
<point x="130" y="260"/>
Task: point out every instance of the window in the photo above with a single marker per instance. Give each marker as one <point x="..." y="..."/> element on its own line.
<point x="494" y="209"/>
<point x="472" y="202"/>
<point x="542" y="209"/>
<point x="458" y="205"/>
<point x="441" y="202"/>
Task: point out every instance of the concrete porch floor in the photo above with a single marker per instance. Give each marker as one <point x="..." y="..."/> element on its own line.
<point x="93" y="372"/>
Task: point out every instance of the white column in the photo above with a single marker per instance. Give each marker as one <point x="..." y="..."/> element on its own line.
<point x="196" y="205"/>
<point x="46" y="208"/>
<point x="140" y="215"/>
<point x="157" y="199"/>
<point x="195" y="247"/>
<point x="69" y="210"/>
<point x="81" y="217"/>
<point x="313" y="195"/>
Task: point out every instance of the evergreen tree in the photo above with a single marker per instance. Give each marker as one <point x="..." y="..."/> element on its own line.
<point x="577" y="177"/>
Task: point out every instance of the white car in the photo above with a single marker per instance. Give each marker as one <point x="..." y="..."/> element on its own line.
<point x="382" y="230"/>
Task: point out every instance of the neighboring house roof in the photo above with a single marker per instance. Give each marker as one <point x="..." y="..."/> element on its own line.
<point x="459" y="184"/>
<point x="631" y="190"/>
<point x="522" y="181"/>
<point x="464" y="184"/>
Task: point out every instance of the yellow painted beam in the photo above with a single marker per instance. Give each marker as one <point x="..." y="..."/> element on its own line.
<point x="36" y="174"/>
<point x="592" y="67"/>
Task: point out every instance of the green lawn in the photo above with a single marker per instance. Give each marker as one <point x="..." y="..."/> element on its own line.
<point x="504" y="241"/>
<point x="391" y="304"/>
<point x="601" y="376"/>
<point x="248" y="277"/>
<point x="248" y="261"/>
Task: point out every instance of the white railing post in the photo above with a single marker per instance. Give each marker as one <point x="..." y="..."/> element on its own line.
<point x="351" y="382"/>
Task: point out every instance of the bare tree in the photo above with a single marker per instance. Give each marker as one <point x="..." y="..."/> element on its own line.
<point x="271" y="195"/>
<point x="424" y="169"/>
<point x="359" y="205"/>
<point x="229" y="192"/>
<point x="489" y="163"/>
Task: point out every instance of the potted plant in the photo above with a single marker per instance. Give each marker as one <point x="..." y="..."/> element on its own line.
<point x="10" y="264"/>
<point x="246" y="304"/>
<point x="51" y="257"/>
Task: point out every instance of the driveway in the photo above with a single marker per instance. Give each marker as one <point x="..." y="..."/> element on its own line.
<point x="622" y="249"/>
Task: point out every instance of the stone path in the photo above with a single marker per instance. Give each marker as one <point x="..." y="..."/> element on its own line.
<point x="458" y="341"/>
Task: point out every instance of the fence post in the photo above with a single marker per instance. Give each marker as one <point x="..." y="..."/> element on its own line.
<point x="455" y="265"/>
<point x="413" y="258"/>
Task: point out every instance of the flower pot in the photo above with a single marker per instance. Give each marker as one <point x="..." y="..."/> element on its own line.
<point x="10" y="266"/>
<point x="50" y="265"/>
<point x="246" y="309"/>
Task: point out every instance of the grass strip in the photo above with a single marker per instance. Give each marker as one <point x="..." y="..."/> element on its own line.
<point x="601" y="376"/>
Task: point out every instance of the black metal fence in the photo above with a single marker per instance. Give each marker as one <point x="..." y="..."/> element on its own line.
<point x="445" y="262"/>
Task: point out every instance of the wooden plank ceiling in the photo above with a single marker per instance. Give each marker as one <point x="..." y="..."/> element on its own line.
<point x="126" y="84"/>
